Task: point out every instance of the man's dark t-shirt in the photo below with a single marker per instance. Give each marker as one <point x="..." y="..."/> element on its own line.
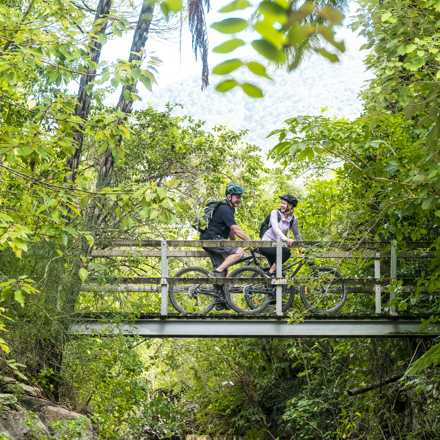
<point x="220" y="224"/>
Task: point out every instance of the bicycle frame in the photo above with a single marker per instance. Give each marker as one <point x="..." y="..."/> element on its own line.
<point x="299" y="263"/>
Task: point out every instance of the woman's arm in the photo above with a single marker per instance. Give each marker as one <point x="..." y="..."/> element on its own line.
<point x="274" y="224"/>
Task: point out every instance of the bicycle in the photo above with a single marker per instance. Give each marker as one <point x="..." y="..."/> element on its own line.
<point x="321" y="295"/>
<point x="197" y="298"/>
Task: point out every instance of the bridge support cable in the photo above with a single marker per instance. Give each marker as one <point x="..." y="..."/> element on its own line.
<point x="258" y="328"/>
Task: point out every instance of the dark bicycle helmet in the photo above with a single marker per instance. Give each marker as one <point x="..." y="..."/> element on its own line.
<point x="290" y="199"/>
<point x="234" y="189"/>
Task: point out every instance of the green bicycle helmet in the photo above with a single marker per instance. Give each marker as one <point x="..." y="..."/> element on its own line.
<point x="234" y="189"/>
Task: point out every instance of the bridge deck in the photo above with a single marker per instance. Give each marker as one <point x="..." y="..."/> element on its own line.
<point x="262" y="326"/>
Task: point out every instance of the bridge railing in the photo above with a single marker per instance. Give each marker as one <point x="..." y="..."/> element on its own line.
<point x="349" y="251"/>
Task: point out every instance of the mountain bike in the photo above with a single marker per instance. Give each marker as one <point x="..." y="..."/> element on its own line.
<point x="323" y="292"/>
<point x="320" y="295"/>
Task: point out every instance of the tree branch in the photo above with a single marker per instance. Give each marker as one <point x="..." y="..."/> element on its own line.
<point x="374" y="385"/>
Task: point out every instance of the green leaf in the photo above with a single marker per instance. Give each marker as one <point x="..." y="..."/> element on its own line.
<point x="19" y="297"/>
<point x="90" y="240"/>
<point x="228" y="46"/>
<point x="258" y="69"/>
<point x="332" y="15"/>
<point x="230" y="25"/>
<point x="174" y="5"/>
<point x="102" y="38"/>
<point x="433" y="173"/>
<point x="20" y="243"/>
<point x="127" y="96"/>
<point x="274" y="11"/>
<point x="146" y="82"/>
<point x="252" y="90"/>
<point x="227" y="85"/>
<point x="428" y="202"/>
<point x="268" y="50"/>
<point x="236" y="5"/>
<point x="84" y="202"/>
<point x="63" y="238"/>
<point x="6" y="292"/>
<point x="115" y="82"/>
<point x="329" y="35"/>
<point x="25" y="151"/>
<point x="83" y="274"/>
<point x="227" y="67"/>
<point x="330" y="56"/>
<point x="117" y="32"/>
<point x="136" y="73"/>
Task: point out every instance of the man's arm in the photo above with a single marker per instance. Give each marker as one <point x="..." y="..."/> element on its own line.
<point x="231" y="234"/>
<point x="236" y="230"/>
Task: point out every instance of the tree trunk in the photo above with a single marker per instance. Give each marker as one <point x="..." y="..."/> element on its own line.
<point x="82" y="108"/>
<point x="140" y="37"/>
<point x="106" y="167"/>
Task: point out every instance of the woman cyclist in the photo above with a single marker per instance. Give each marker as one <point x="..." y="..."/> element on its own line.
<point x="281" y="220"/>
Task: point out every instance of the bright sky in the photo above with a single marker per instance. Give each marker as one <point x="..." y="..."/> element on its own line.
<point x="317" y="83"/>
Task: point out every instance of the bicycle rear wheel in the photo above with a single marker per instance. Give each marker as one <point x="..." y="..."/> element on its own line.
<point x="195" y="298"/>
<point x="251" y="298"/>
<point x="323" y="295"/>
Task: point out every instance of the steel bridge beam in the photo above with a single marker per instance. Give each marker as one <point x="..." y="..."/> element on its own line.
<point x="275" y="328"/>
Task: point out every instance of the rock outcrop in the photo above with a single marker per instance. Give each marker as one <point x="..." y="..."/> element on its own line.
<point x="26" y="415"/>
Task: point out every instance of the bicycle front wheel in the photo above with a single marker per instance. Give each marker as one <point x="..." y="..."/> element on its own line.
<point x="250" y="298"/>
<point x="192" y="298"/>
<point x="323" y="294"/>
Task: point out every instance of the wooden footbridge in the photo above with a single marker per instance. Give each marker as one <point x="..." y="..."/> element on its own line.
<point x="383" y="323"/>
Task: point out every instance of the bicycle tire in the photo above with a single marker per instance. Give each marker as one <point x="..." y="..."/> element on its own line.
<point x="319" y="298"/>
<point x="291" y="292"/>
<point x="183" y="298"/>
<point x="236" y="295"/>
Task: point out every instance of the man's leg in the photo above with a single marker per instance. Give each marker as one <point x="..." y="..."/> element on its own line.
<point x="230" y="260"/>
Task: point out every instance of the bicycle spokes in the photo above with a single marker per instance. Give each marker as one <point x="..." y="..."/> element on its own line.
<point x="324" y="293"/>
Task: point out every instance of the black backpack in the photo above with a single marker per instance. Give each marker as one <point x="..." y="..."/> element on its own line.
<point x="207" y="215"/>
<point x="266" y="224"/>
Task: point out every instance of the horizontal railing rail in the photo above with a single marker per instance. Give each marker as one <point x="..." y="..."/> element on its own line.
<point x="203" y="254"/>
<point x="228" y="243"/>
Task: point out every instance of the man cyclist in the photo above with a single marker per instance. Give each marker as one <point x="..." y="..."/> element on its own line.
<point x="281" y="220"/>
<point x="223" y="226"/>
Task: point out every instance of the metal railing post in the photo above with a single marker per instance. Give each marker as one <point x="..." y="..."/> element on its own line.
<point x="378" y="288"/>
<point x="279" y="260"/>
<point x="163" y="282"/>
<point x="393" y="276"/>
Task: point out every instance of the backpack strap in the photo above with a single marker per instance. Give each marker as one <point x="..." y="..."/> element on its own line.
<point x="291" y="223"/>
